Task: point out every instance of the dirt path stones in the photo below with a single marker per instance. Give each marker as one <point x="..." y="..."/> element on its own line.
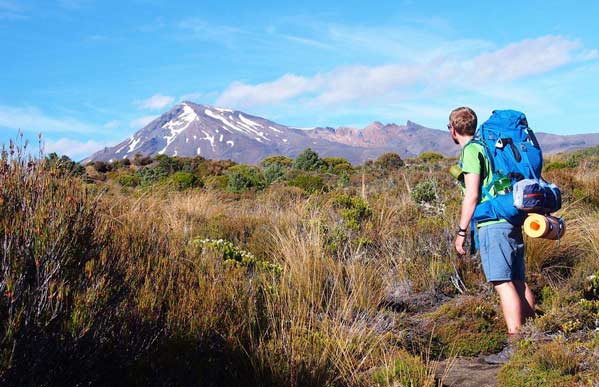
<point x="469" y="372"/>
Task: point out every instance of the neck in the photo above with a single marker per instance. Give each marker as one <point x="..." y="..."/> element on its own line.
<point x="463" y="140"/>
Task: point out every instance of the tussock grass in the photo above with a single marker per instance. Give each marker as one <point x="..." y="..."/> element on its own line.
<point x="103" y="284"/>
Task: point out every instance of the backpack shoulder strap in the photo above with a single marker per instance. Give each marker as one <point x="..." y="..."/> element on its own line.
<point x="485" y="189"/>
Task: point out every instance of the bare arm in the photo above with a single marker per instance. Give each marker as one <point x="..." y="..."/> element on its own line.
<point x="472" y="182"/>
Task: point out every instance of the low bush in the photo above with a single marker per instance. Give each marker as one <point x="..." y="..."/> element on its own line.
<point x="217" y="182"/>
<point x="425" y="191"/>
<point x="184" y="180"/>
<point x="283" y="161"/>
<point x="308" y="160"/>
<point x="389" y="161"/>
<point x="405" y="370"/>
<point x="467" y="326"/>
<point x="151" y="175"/>
<point x="309" y="183"/>
<point x="274" y="172"/>
<point x="430" y="156"/>
<point x="244" y="177"/>
<point x="354" y="210"/>
<point x="553" y="364"/>
<point x="129" y="180"/>
<point x="556" y="165"/>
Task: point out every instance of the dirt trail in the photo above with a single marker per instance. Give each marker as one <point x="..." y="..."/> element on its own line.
<point x="469" y="372"/>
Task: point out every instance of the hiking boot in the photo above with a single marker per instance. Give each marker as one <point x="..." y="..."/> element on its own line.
<point x="502" y="357"/>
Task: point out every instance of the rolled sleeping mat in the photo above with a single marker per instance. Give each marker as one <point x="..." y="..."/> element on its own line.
<point x="456" y="172"/>
<point x="544" y="226"/>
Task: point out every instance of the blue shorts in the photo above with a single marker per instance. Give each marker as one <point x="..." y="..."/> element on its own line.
<point x="502" y="252"/>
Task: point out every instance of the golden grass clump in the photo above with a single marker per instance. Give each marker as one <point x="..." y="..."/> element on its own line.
<point x="102" y="283"/>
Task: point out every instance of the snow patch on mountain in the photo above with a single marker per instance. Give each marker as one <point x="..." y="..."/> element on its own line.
<point x="124" y="146"/>
<point x="209" y="138"/>
<point x="179" y="125"/>
<point x="248" y="121"/>
<point x="211" y="114"/>
<point x="133" y="145"/>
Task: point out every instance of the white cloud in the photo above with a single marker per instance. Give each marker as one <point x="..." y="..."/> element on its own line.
<point x="34" y="120"/>
<point x="352" y="83"/>
<point x="194" y="97"/>
<point x="140" y="122"/>
<point x="155" y="102"/>
<point x="284" y="88"/>
<point x="112" y="124"/>
<point x="358" y="82"/>
<point x="307" y="41"/>
<point x="204" y="31"/>
<point x="526" y="58"/>
<point x="75" y="149"/>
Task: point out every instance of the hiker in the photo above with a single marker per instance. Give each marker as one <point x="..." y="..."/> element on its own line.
<point x="501" y="243"/>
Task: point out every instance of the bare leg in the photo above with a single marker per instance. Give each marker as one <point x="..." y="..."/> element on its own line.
<point x="527" y="299"/>
<point x="511" y="304"/>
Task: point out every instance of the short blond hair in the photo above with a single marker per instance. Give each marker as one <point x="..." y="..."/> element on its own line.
<point x="463" y="120"/>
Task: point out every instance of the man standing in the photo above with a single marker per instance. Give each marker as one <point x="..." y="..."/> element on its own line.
<point x="501" y="243"/>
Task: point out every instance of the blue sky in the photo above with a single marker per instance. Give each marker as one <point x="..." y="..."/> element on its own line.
<point x="88" y="73"/>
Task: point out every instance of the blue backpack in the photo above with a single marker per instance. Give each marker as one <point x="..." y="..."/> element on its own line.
<point x="516" y="160"/>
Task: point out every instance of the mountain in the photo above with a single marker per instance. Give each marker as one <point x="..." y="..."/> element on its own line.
<point x="191" y="129"/>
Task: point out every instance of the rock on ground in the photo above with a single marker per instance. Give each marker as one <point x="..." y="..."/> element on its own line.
<point x="468" y="372"/>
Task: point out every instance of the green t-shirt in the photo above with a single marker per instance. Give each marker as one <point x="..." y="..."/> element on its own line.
<point x="474" y="161"/>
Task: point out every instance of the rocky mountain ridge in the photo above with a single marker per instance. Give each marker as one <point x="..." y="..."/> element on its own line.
<point x="191" y="129"/>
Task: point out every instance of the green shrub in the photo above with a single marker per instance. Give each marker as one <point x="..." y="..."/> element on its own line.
<point x="309" y="183"/>
<point x="185" y="180"/>
<point x="168" y="164"/>
<point x="151" y="175"/>
<point x="344" y="169"/>
<point x="129" y="180"/>
<point x="274" y="172"/>
<point x="232" y="254"/>
<point x="354" y="210"/>
<point x="283" y="161"/>
<point x="337" y="165"/>
<point x="555" y="166"/>
<point x="425" y="191"/>
<point x="333" y="161"/>
<point x="243" y="177"/>
<point x="574" y="159"/>
<point x="430" y="156"/>
<point x="568" y="318"/>
<point x="308" y="160"/>
<point x="553" y="364"/>
<point x="468" y="325"/>
<point x="406" y="370"/>
<point x="217" y="182"/>
<point x="389" y="161"/>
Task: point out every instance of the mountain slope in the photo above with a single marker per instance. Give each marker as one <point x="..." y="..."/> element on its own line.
<point x="191" y="129"/>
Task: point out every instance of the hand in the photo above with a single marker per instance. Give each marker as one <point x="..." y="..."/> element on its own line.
<point x="459" y="244"/>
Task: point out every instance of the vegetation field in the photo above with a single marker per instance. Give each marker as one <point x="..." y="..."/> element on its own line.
<point x="299" y="272"/>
